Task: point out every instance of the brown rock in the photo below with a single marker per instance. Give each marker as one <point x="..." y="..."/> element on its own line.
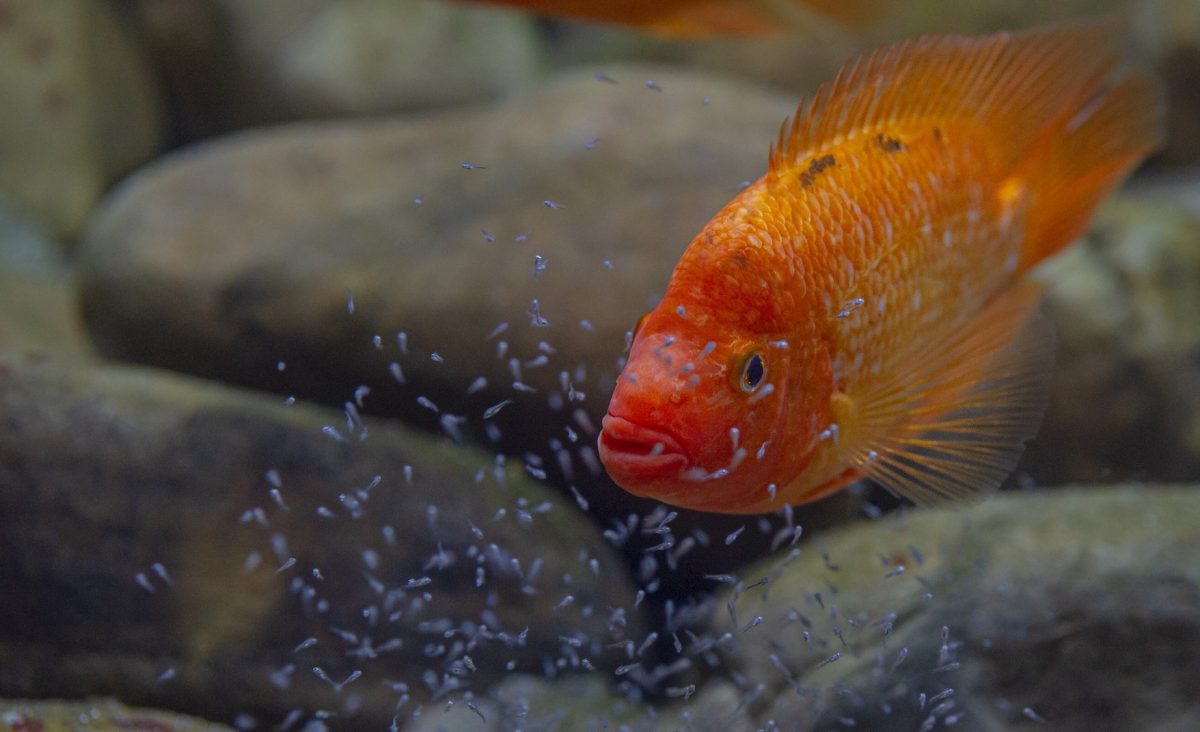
<point x="1075" y="609"/>
<point x="143" y="555"/>
<point x="1125" y="399"/>
<point x="101" y="715"/>
<point x="1070" y="610"/>
<point x="229" y="64"/>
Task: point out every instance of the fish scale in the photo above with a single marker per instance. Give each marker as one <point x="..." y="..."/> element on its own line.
<point x="954" y="282"/>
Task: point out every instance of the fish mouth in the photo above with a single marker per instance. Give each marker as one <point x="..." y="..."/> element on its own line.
<point x="635" y="452"/>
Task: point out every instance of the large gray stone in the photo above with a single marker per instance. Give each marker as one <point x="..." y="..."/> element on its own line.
<point x="1076" y="609"/>
<point x="1080" y="606"/>
<point x="230" y="64"/>
<point x="143" y="554"/>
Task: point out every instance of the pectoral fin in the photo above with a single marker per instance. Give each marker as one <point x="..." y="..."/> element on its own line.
<point x="954" y="415"/>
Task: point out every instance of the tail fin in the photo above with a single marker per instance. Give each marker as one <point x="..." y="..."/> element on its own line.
<point x="1083" y="156"/>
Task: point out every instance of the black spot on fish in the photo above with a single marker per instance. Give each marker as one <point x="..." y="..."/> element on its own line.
<point x="815" y="167"/>
<point x="888" y="144"/>
<point x="937" y="134"/>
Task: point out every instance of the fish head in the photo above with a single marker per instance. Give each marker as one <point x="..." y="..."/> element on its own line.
<point x="695" y="413"/>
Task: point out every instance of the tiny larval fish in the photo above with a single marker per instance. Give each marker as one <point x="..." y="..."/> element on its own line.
<point x="861" y="310"/>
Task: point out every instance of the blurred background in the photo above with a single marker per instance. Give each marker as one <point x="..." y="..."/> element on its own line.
<point x="239" y="236"/>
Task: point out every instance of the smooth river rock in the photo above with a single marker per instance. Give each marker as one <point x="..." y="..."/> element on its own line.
<point x="188" y="546"/>
<point x="228" y="64"/>
<point x="1074" y="609"/>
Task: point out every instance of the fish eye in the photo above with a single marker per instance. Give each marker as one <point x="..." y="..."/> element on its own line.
<point x="753" y="372"/>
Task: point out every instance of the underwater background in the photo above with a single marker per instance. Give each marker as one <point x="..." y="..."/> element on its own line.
<point x="309" y="312"/>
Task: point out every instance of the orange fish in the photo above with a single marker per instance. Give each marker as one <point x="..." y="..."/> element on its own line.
<point x="861" y="310"/>
<point x="693" y="18"/>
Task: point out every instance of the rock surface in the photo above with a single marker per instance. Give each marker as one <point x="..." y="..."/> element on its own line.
<point x="102" y="715"/>
<point x="144" y="554"/>
<point x="231" y="64"/>
<point x="80" y="107"/>
<point x="1079" y="606"/>
<point x="1125" y="402"/>
<point x="1068" y="610"/>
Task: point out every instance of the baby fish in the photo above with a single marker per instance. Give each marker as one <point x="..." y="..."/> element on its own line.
<point x="862" y="310"/>
<point x="699" y="18"/>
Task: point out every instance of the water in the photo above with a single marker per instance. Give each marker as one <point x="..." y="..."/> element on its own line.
<point x="269" y="562"/>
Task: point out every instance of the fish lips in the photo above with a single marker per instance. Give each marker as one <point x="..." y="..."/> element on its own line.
<point x="636" y="455"/>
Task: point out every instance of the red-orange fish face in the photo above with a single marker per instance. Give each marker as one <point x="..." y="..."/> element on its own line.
<point x="692" y="420"/>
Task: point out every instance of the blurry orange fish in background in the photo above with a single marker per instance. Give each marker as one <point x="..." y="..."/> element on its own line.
<point x="696" y="18"/>
<point x="860" y="310"/>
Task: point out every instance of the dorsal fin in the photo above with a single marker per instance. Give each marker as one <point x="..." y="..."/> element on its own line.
<point x="1014" y="84"/>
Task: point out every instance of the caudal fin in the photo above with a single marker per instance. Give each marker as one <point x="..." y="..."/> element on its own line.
<point x="1084" y="155"/>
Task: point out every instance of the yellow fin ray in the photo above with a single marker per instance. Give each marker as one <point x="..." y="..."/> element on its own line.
<point x="953" y="418"/>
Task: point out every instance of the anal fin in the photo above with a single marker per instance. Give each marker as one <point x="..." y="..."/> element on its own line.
<point x="953" y="417"/>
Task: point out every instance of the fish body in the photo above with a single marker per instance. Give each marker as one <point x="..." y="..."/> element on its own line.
<point x="861" y="310"/>
<point x="699" y="18"/>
